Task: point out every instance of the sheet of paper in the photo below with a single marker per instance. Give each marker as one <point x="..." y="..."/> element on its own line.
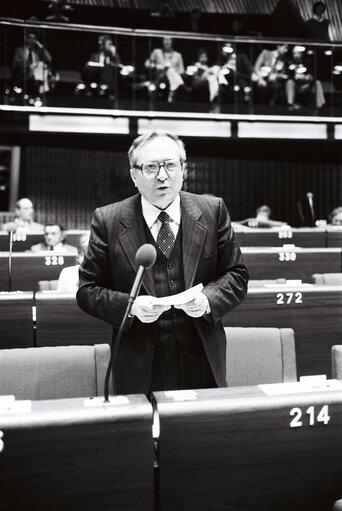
<point x="184" y="297"/>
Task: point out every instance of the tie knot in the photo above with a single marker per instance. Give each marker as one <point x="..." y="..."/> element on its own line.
<point x="164" y="217"/>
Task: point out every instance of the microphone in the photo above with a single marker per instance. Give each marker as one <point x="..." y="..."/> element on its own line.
<point x="11" y="228"/>
<point x="309" y="196"/>
<point x="145" y="258"/>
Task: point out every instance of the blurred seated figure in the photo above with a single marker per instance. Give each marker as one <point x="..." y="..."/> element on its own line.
<point x="167" y="68"/>
<point x="68" y="278"/>
<point x="31" y="69"/>
<point x="301" y="86"/>
<point x="54" y="239"/>
<point x="204" y="80"/>
<point x="335" y="217"/>
<point x="262" y="219"/>
<point x="270" y="73"/>
<point x="24" y="214"/>
<point x="235" y="75"/>
<point x="317" y="27"/>
<point x="102" y="67"/>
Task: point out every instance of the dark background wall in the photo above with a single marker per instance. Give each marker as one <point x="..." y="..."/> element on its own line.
<point x="68" y="177"/>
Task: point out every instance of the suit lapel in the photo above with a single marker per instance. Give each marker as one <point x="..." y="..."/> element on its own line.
<point x="194" y="234"/>
<point x="133" y="236"/>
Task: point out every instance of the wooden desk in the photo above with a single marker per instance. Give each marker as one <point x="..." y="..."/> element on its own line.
<point x="334" y="236"/>
<point x="314" y="313"/>
<point x="304" y="237"/>
<point x="29" y="268"/>
<point x="64" y="455"/>
<point x="21" y="242"/>
<point x="61" y="322"/>
<point x="16" y="327"/>
<point x="290" y="262"/>
<point x="235" y="449"/>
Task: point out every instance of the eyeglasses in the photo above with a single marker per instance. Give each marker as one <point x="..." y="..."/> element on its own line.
<point x="152" y="168"/>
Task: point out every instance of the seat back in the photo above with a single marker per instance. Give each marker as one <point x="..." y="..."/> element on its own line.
<point x="336" y="362"/>
<point x="260" y="355"/>
<point x="54" y="372"/>
<point x="330" y="279"/>
<point x="47" y="285"/>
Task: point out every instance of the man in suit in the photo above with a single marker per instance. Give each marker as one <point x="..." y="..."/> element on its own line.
<point x="24" y="214"/>
<point x="164" y="348"/>
<point x="54" y="240"/>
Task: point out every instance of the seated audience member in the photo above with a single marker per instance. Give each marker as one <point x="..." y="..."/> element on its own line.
<point x="262" y="219"/>
<point x="301" y="84"/>
<point x="24" y="214"/>
<point x="335" y="217"/>
<point x="54" y="239"/>
<point x="270" y="73"/>
<point x="204" y="80"/>
<point x="68" y="278"/>
<point x="167" y="68"/>
<point x="32" y="72"/>
<point x="317" y="27"/>
<point x="235" y="75"/>
<point x="100" y="70"/>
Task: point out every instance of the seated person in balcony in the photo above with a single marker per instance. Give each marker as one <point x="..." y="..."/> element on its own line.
<point x="204" y="79"/>
<point x="235" y="75"/>
<point x="262" y="219"/>
<point x="32" y="67"/>
<point x="101" y="70"/>
<point x="270" y="73"/>
<point x="54" y="240"/>
<point x="167" y="67"/>
<point x="24" y="214"/>
<point x="335" y="217"/>
<point x="301" y="84"/>
<point x="317" y="27"/>
<point x="68" y="278"/>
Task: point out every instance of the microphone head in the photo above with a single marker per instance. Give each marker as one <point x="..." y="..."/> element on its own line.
<point x="146" y="256"/>
<point x="309" y="195"/>
<point x="11" y="227"/>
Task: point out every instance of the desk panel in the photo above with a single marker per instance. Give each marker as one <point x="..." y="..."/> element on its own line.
<point x="65" y="455"/>
<point x="314" y="313"/>
<point x="305" y="237"/>
<point x="61" y="322"/>
<point x="334" y="237"/>
<point x="29" y="268"/>
<point x="240" y="449"/>
<point x="291" y="262"/>
<point x="16" y="327"/>
<point x="21" y="242"/>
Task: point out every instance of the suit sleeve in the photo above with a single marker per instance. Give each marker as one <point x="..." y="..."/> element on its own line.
<point x="230" y="287"/>
<point x="96" y="294"/>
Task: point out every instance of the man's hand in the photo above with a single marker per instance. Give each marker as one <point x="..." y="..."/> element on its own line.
<point x="197" y="307"/>
<point x="144" y="309"/>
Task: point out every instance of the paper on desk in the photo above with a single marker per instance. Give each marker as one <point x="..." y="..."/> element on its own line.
<point x="178" y="299"/>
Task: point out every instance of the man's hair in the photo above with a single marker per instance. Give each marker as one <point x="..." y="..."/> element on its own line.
<point x="106" y="37"/>
<point x="334" y="213"/>
<point x="61" y="228"/>
<point x="17" y="204"/>
<point x="151" y="135"/>
<point x="264" y="206"/>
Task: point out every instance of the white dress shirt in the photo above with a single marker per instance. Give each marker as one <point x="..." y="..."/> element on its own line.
<point x="150" y="214"/>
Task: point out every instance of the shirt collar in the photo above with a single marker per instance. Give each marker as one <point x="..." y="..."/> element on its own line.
<point x="151" y="213"/>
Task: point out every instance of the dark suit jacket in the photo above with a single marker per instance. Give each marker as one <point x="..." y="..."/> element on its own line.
<point x="211" y="255"/>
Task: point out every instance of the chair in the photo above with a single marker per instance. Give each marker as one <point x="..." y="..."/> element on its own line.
<point x="47" y="285"/>
<point x="54" y="372"/>
<point x="336" y="362"/>
<point x="260" y="355"/>
<point x="330" y="279"/>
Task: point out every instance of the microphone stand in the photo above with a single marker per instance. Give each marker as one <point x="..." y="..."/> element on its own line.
<point x="10" y="261"/>
<point x="135" y="290"/>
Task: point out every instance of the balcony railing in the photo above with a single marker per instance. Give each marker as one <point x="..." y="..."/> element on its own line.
<point x="65" y="65"/>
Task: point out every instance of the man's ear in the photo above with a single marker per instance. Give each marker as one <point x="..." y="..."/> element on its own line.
<point x="185" y="170"/>
<point x="133" y="176"/>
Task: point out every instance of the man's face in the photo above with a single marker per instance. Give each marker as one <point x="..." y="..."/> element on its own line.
<point x="53" y="235"/>
<point x="282" y="49"/>
<point x="31" y="40"/>
<point x="167" y="43"/>
<point x="159" y="190"/>
<point x="337" y="220"/>
<point x="203" y="58"/>
<point x="25" y="210"/>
